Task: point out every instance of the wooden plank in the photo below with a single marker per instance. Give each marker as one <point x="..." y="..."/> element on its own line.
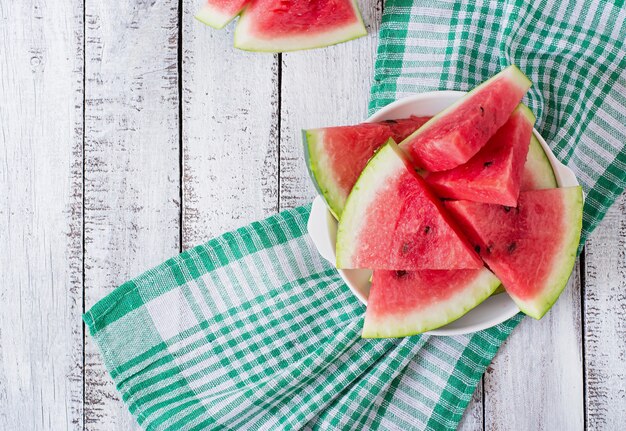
<point x="132" y="173"/>
<point x="604" y="306"/>
<point x="41" y="351"/>
<point x="323" y="87"/>
<point x="327" y="87"/>
<point x="473" y="417"/>
<point x="230" y="135"/>
<point x="535" y="380"/>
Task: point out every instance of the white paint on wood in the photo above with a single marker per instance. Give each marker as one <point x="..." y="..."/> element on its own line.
<point x="41" y="348"/>
<point x="131" y="164"/>
<point x="605" y="326"/>
<point x="473" y="416"/>
<point x="230" y="135"/>
<point x="323" y="87"/>
<point x="236" y="109"/>
<point x="329" y="87"/>
<point x="535" y="381"/>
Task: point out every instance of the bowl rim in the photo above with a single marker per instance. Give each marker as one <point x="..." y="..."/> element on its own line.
<point x="322" y="225"/>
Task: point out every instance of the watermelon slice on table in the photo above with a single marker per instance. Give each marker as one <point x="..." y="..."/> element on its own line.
<point x="393" y="221"/>
<point x="218" y="13"/>
<point x="289" y="25"/>
<point x="403" y="303"/>
<point x="494" y="174"/>
<point x="538" y="173"/>
<point x="336" y="156"/>
<point x="458" y="132"/>
<point x="531" y="248"/>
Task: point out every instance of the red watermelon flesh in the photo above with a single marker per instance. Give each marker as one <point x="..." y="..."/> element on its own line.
<point x="531" y="248"/>
<point x="286" y="25"/>
<point x="218" y="13"/>
<point x="494" y="174"/>
<point x="393" y="221"/>
<point x="457" y="133"/>
<point x="403" y="303"/>
<point x="403" y="127"/>
<point x="336" y="156"/>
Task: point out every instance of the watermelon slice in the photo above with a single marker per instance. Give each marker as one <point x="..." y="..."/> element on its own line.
<point x="393" y="221"/>
<point x="494" y="174"/>
<point x="403" y="303"/>
<point x="336" y="156"/>
<point x="538" y="173"/>
<point x="458" y="132"/>
<point x="531" y="248"/>
<point x="289" y="25"/>
<point x="218" y="13"/>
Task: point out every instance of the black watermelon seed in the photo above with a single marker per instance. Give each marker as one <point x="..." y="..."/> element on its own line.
<point x="511" y="248"/>
<point x="391" y="121"/>
<point x="506" y="209"/>
<point x="477" y="248"/>
<point x="487" y="164"/>
<point x="427" y="229"/>
<point x="482" y="111"/>
<point x="400" y="273"/>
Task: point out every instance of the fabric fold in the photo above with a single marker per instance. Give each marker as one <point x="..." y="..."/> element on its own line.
<point x="254" y="330"/>
<point x="236" y="334"/>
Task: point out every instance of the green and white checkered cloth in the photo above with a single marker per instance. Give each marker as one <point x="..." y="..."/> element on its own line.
<point x="254" y="330"/>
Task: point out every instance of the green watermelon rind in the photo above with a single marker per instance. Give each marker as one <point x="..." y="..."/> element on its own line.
<point x="526" y="112"/>
<point x="213" y="17"/>
<point x="573" y="221"/>
<point x="543" y="173"/>
<point x="385" y="161"/>
<point x="515" y="75"/>
<point x="247" y="42"/>
<point x="434" y="317"/>
<point x="324" y="183"/>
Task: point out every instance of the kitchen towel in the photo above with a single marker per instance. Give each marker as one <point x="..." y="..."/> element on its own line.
<point x="255" y="331"/>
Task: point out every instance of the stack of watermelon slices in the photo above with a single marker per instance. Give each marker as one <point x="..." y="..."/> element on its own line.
<point x="285" y="25"/>
<point x="466" y="202"/>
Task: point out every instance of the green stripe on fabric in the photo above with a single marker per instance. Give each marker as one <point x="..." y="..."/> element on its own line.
<point x="126" y="298"/>
<point x="449" y="410"/>
<point x="115" y="305"/>
<point x="394" y="26"/>
<point x="454" y="21"/>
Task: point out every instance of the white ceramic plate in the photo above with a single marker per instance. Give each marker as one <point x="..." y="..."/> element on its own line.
<point x="323" y="227"/>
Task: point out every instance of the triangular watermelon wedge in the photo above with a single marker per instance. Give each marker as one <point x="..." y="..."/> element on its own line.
<point x="494" y="174"/>
<point x="393" y="221"/>
<point x="271" y="26"/>
<point x="403" y="303"/>
<point x="336" y="156"/>
<point x="218" y="13"/>
<point x="531" y="248"/>
<point x="458" y="132"/>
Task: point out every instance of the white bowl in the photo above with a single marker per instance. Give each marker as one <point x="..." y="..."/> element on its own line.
<point x="322" y="226"/>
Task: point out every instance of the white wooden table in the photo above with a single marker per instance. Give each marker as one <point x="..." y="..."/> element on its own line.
<point x="129" y="132"/>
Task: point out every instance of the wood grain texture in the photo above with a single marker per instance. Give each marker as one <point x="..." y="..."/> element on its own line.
<point x="604" y="308"/>
<point x="230" y="132"/>
<point x="41" y="293"/>
<point x="131" y="164"/>
<point x="473" y="416"/>
<point x="242" y="114"/>
<point x="535" y="381"/>
<point x="323" y="87"/>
